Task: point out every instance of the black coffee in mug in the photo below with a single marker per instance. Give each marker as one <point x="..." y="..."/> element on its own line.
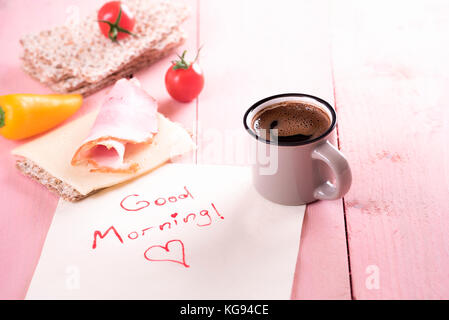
<point x="294" y="121"/>
<point x="288" y="163"/>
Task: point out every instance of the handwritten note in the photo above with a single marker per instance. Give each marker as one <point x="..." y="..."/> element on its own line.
<point x="181" y="232"/>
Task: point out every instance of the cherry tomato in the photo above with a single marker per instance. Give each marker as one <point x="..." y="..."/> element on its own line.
<point x="184" y="81"/>
<point x="116" y="21"/>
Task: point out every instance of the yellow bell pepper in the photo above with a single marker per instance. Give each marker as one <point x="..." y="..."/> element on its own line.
<point x="25" y="115"/>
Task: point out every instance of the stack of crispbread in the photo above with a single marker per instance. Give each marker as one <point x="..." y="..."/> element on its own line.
<point x="78" y="58"/>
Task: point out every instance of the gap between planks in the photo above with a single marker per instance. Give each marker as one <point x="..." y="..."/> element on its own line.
<point x="334" y="91"/>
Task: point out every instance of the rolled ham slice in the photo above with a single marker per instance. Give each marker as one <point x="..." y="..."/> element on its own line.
<point x="127" y="116"/>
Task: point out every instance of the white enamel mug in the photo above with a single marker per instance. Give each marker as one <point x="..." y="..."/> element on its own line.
<point x="289" y="172"/>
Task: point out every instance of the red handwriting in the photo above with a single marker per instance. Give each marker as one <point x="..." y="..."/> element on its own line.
<point x="186" y="218"/>
<point x="216" y="211"/>
<point x="102" y="236"/>
<point x="146" y="203"/>
<point x="133" y="235"/>
<point x="143" y="231"/>
<point x="181" y="260"/>
<point x="133" y="202"/>
<point x="164" y="224"/>
<point x="189" y="218"/>
<point x="205" y="213"/>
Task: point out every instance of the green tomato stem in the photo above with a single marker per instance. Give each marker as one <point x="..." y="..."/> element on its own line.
<point x="114" y="28"/>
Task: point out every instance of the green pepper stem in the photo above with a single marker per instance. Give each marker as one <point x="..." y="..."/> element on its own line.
<point x="2" y="117"/>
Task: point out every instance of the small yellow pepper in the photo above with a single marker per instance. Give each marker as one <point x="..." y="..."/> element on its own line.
<point x="25" y="115"/>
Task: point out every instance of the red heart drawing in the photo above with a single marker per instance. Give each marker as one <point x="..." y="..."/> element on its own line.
<point x="167" y="250"/>
<point x="174" y="215"/>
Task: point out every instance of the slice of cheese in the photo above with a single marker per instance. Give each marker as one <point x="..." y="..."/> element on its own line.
<point x="53" y="153"/>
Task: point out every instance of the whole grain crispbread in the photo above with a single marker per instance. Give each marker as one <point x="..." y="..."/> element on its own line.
<point x="64" y="190"/>
<point x="78" y="85"/>
<point x="78" y="58"/>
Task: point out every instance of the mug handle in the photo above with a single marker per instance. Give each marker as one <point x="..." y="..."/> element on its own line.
<point x="337" y="162"/>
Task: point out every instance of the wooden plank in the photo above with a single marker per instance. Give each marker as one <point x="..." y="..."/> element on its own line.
<point x="390" y="62"/>
<point x="252" y="51"/>
<point x="322" y="267"/>
<point x="27" y="208"/>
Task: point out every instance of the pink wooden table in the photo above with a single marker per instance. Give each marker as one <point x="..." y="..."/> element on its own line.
<point x="382" y="64"/>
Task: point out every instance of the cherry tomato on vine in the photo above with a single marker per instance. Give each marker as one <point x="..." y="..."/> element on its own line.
<point x="116" y="21"/>
<point x="184" y="81"/>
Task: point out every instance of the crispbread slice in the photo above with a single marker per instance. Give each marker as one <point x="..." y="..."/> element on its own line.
<point x="92" y="88"/>
<point x="68" y="58"/>
<point x="61" y="188"/>
<point x="78" y="85"/>
<point x="47" y="158"/>
<point x="154" y="22"/>
<point x="49" y="54"/>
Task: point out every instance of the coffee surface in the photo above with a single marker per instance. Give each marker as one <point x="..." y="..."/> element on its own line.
<point x="294" y="121"/>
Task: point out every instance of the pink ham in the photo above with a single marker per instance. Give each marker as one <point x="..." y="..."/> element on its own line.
<point x="128" y="116"/>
